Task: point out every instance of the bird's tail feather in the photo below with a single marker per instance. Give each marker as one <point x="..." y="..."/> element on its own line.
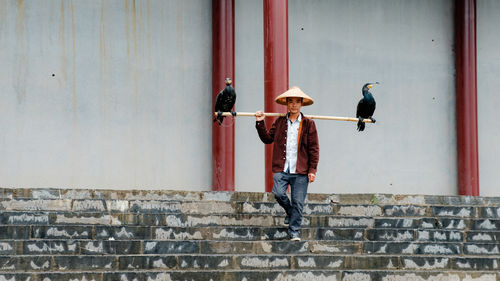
<point x="220" y="119"/>
<point x="361" y="126"/>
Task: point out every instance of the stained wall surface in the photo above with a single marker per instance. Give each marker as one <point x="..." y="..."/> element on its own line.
<point x="488" y="81"/>
<point x="249" y="72"/>
<point x="105" y="94"/>
<point x="335" y="47"/>
<point x="116" y="94"/>
<point x="407" y="46"/>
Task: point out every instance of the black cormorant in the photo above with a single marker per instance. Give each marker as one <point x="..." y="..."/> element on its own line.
<point x="366" y="106"/>
<point x="225" y="101"/>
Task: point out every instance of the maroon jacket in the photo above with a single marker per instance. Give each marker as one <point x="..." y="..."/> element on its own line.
<point x="308" y="151"/>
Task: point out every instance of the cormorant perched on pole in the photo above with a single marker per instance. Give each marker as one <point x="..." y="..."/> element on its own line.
<point x="366" y="106"/>
<point x="225" y="101"/>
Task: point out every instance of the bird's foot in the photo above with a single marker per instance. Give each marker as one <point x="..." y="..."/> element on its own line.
<point x="233" y="113"/>
<point x="219" y="117"/>
<point x="373" y="119"/>
<point x="360" y="119"/>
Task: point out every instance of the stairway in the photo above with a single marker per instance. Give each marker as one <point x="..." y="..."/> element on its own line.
<point x="83" y="235"/>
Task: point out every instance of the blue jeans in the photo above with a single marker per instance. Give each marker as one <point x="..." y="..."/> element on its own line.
<point x="298" y="186"/>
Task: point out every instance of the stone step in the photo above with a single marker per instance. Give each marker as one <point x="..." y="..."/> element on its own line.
<point x="238" y="207"/>
<point x="483" y="236"/>
<point x="229" y="196"/>
<point x="98" y="263"/>
<point x="191" y="220"/>
<point x="77" y="235"/>
<point x="105" y="232"/>
<point x="257" y="275"/>
<point x="137" y="247"/>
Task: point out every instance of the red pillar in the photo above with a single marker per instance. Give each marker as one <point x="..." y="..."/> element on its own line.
<point x="223" y="66"/>
<point x="275" y="67"/>
<point x="466" y="97"/>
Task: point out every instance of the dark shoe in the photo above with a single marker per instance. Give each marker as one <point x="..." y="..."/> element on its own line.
<point x="287" y="220"/>
<point x="294" y="237"/>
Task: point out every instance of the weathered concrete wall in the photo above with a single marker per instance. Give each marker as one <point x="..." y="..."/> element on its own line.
<point x="104" y="94"/>
<point x="337" y="46"/>
<point x="249" y="72"/>
<point x="488" y="80"/>
<point x="116" y="94"/>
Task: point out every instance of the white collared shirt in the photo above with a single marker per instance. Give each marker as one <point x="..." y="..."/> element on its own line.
<point x="291" y="144"/>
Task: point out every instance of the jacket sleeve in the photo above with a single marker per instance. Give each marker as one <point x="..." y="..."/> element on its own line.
<point x="265" y="136"/>
<point x="313" y="149"/>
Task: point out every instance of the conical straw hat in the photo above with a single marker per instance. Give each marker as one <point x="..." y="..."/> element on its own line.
<point x="294" y="92"/>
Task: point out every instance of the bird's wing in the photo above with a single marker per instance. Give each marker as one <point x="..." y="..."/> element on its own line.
<point x="359" y="108"/>
<point x="228" y="98"/>
<point x="218" y="102"/>
<point x="232" y="97"/>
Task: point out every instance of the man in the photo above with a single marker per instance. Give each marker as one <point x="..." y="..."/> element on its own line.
<point x="295" y="155"/>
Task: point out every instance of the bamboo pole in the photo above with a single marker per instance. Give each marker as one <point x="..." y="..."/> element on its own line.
<point x="321" y="117"/>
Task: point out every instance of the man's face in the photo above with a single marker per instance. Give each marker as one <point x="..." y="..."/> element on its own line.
<point x="294" y="105"/>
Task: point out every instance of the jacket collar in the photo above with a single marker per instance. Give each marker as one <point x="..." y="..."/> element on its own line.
<point x="298" y="118"/>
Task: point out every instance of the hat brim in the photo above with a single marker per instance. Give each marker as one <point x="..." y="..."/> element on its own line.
<point x="294" y="92"/>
